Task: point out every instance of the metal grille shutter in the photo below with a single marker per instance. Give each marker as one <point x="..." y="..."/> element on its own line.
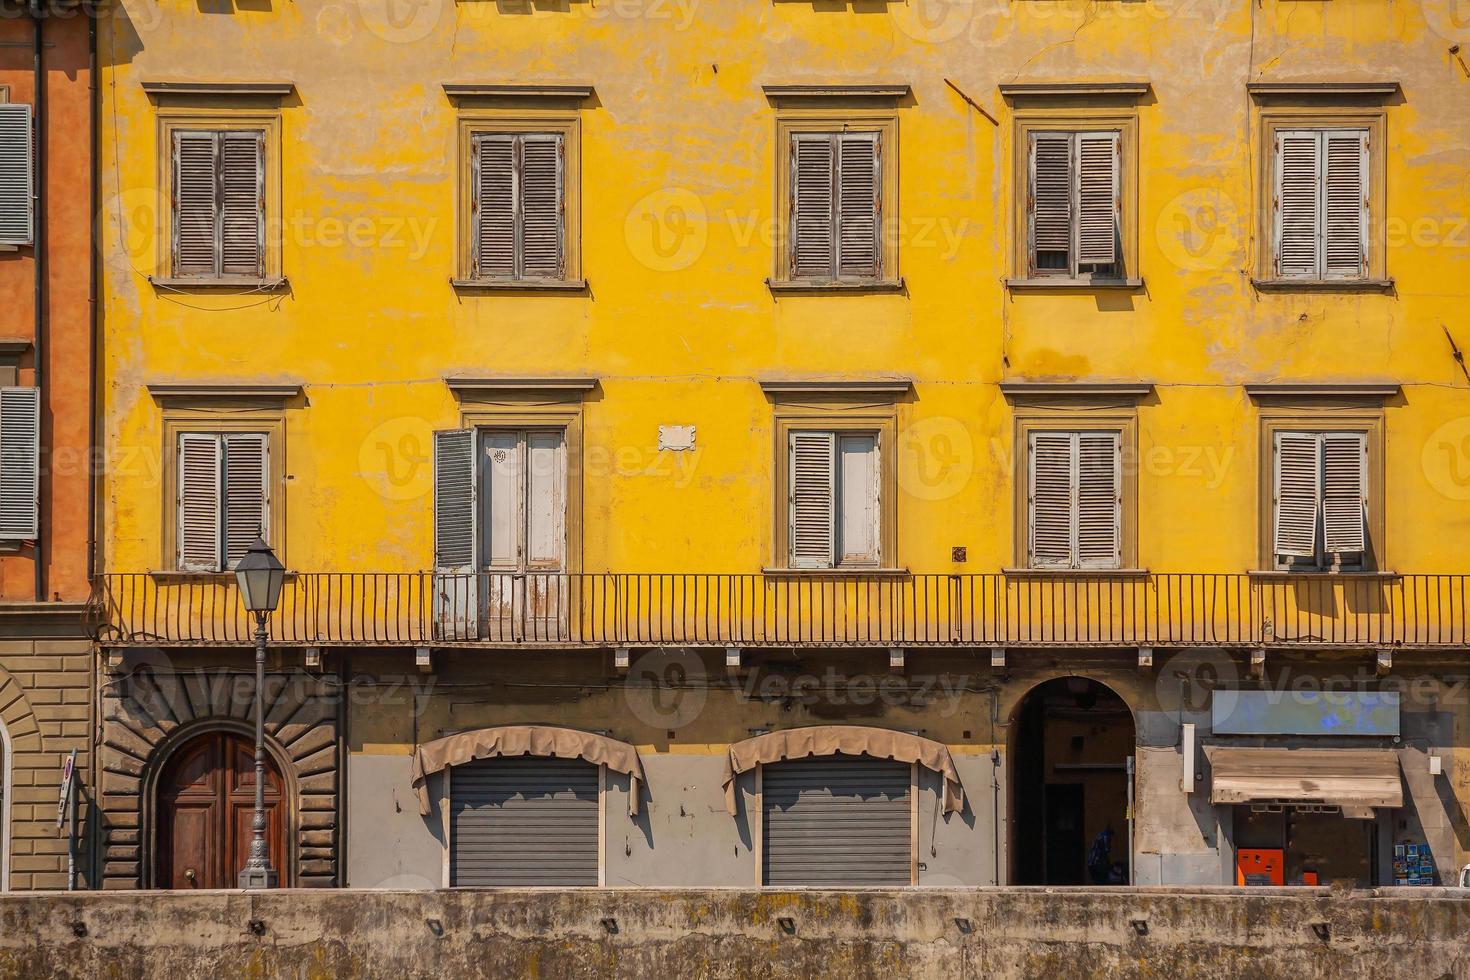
<point x="837" y="820"/>
<point x="523" y="822"/>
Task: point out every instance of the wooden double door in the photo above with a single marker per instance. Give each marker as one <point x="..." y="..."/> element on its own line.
<point x="206" y="802"/>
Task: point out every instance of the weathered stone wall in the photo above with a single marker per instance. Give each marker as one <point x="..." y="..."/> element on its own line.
<point x="45" y="711"/>
<point x="992" y="933"/>
<point x="158" y="702"/>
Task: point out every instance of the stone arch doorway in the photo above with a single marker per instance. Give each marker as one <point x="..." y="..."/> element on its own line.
<point x="205" y="803"/>
<point x="1072" y="748"/>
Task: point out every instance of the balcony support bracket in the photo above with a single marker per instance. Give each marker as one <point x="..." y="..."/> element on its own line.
<point x="1258" y="662"/>
<point x="1145" y="658"/>
<point x="895" y="659"/>
<point x="423" y="659"/>
<point x="1385" y="662"/>
<point x="733" y="657"/>
<point x="621" y="657"/>
<point x="998" y="658"/>
<point x="314" y="658"/>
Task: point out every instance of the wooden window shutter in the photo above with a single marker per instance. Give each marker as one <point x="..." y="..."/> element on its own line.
<point x="1298" y="492"/>
<point x="859" y="205"/>
<point x="494" y="206"/>
<point x="1298" y="187"/>
<point x="1344" y="492"/>
<point x="454" y="500"/>
<point x="813" y="247"/>
<point x="541" y="200"/>
<point x="195" y="203"/>
<point x="242" y="203"/>
<point x="1050" y="201"/>
<point x="1344" y="204"/>
<point x="1097" y="198"/>
<point x="17" y="178"/>
<point x="20" y="454"/>
<point x="198" y="502"/>
<point x="1050" y="507"/>
<point x="812" y="527"/>
<point x="246" y="482"/>
<point x="1099" y="500"/>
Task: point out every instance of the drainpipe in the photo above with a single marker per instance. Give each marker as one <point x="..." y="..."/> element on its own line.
<point x="39" y="263"/>
<point x="94" y="857"/>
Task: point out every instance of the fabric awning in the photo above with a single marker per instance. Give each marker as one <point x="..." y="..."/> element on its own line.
<point x="1354" y="779"/>
<point x="877" y="743"/>
<point x="516" y="740"/>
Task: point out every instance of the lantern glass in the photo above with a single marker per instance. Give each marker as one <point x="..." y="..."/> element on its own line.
<point x="260" y="575"/>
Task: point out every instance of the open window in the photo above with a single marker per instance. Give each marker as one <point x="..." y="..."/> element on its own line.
<point x="500" y="533"/>
<point x="1073" y="205"/>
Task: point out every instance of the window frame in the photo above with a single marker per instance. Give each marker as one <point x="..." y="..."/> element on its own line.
<point x="840" y="419"/>
<point x="482" y="121"/>
<point x="1366" y="421"/>
<point x="1275" y="119"/>
<point x="270" y="424"/>
<point x="791" y="121"/>
<point x="1031" y="119"/>
<point x="172" y="120"/>
<point x="1120" y="419"/>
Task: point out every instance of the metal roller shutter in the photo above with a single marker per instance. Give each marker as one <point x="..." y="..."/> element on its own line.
<point x="837" y="820"/>
<point x="523" y="822"/>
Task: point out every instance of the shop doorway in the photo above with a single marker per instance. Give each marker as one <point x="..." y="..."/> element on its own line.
<point x="1303" y="845"/>
<point x="206" y="804"/>
<point x="1072" y="746"/>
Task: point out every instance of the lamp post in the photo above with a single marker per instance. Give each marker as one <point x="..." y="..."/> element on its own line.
<point x="260" y="576"/>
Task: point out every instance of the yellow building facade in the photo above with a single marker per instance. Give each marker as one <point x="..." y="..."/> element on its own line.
<point x="638" y="392"/>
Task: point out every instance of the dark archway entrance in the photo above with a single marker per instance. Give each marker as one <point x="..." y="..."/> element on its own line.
<point x="1072" y="748"/>
<point x="206" y="801"/>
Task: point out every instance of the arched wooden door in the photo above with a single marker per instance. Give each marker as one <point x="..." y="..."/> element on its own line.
<point x="206" y="800"/>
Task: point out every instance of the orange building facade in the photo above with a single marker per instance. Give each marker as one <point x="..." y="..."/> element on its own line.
<point x="46" y="261"/>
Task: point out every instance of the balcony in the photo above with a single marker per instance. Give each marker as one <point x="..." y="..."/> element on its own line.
<point x="598" y="610"/>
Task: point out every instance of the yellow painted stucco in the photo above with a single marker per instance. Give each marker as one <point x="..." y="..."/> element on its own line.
<point x="677" y="196"/>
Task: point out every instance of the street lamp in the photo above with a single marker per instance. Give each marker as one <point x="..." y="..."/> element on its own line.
<point x="260" y="575"/>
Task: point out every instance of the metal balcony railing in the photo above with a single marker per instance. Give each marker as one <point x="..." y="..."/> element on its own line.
<point x="764" y="610"/>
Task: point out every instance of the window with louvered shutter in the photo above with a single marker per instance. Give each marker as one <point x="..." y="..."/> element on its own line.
<point x="1051" y="500"/>
<point x="1321" y="203"/>
<point x="1344" y="492"/>
<point x="454" y="500"/>
<point x="1075" y="500"/>
<point x="1320" y="498"/>
<point x="1074" y="219"/>
<point x="218" y="204"/>
<point x="836" y="221"/>
<point x="1097" y="199"/>
<point x="519" y="206"/>
<point x="1099" y="500"/>
<point x="17" y="160"/>
<point x="198" y="503"/>
<point x="813" y="496"/>
<point x="223" y="498"/>
<point x="246" y="481"/>
<point x="1344" y="204"/>
<point x="20" y="427"/>
<point x="1298" y="493"/>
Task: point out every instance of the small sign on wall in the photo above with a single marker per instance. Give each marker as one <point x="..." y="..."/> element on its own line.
<point x="675" y="438"/>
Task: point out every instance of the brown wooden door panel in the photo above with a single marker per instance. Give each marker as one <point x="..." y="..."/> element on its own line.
<point x="206" y="803"/>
